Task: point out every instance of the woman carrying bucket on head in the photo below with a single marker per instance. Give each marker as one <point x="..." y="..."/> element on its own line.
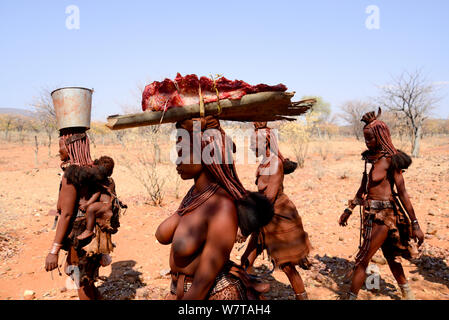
<point x="73" y="108"/>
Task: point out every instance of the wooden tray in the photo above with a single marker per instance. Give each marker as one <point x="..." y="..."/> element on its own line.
<point x="262" y="106"/>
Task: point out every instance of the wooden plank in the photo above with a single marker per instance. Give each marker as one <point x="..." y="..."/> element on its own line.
<point x="262" y="106"/>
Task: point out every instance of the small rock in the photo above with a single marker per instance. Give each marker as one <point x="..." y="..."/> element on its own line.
<point x="431" y="229"/>
<point x="379" y="260"/>
<point x="319" y="277"/>
<point x="29" y="295"/>
<point x="63" y="289"/>
<point x="164" y="272"/>
<point x="341" y="239"/>
<point x="142" y="293"/>
<point x="415" y="279"/>
<point x="431" y="213"/>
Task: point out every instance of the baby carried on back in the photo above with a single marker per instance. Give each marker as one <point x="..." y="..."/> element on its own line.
<point x="103" y="206"/>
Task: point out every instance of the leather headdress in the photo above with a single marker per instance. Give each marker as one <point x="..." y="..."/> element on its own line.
<point x="380" y="131"/>
<point x="371" y="116"/>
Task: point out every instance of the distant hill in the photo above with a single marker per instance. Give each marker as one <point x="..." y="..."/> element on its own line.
<point x="18" y="112"/>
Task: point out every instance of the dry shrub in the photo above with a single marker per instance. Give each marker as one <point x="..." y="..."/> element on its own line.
<point x="297" y="134"/>
<point x="320" y="172"/>
<point x="324" y="147"/>
<point x="144" y="164"/>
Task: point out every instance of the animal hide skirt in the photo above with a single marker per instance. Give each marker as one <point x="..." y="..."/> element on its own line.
<point x="286" y="241"/>
<point x="399" y="240"/>
<point x="232" y="283"/>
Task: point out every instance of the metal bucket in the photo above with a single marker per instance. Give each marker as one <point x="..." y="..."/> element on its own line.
<point x="72" y="107"/>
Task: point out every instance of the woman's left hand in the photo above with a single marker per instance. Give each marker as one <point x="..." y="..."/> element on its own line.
<point x="51" y="262"/>
<point x="418" y="234"/>
<point x="343" y="221"/>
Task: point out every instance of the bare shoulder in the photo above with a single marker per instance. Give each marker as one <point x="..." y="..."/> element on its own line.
<point x="222" y="203"/>
<point x="65" y="185"/>
<point x="384" y="162"/>
<point x="277" y="164"/>
<point x="271" y="167"/>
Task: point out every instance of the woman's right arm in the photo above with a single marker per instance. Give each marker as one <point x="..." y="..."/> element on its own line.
<point x="359" y="195"/>
<point x="67" y="201"/>
<point x="343" y="221"/>
<point x="270" y="182"/>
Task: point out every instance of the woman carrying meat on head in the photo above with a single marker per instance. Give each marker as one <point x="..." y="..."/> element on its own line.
<point x="82" y="262"/>
<point x="387" y="222"/>
<point x="203" y="230"/>
<point x="283" y="237"/>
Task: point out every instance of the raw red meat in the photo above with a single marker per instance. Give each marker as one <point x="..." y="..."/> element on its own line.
<point x="184" y="91"/>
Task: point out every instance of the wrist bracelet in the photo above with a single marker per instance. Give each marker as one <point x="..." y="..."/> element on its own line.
<point x="415" y="221"/>
<point x="348" y="211"/>
<point x="55" y="248"/>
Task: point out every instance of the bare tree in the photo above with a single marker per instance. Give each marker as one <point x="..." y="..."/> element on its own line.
<point x="353" y="112"/>
<point x="412" y="96"/>
<point x="21" y="123"/>
<point x="46" y="114"/>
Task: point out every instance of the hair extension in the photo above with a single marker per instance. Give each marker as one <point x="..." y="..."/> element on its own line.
<point x="272" y="146"/>
<point x="380" y="131"/>
<point x="78" y="148"/>
<point x="399" y="159"/>
<point x="253" y="209"/>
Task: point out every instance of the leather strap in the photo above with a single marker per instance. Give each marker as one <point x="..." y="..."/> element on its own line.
<point x="75" y="137"/>
<point x="180" y="286"/>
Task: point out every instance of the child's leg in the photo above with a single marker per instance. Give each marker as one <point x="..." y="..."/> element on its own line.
<point x="91" y="214"/>
<point x="104" y="217"/>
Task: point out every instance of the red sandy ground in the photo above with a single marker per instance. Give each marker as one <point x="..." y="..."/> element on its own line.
<point x="320" y="190"/>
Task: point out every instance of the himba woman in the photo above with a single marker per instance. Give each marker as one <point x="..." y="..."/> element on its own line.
<point x="385" y="223"/>
<point x="203" y="230"/>
<point x="83" y="261"/>
<point x="283" y="237"/>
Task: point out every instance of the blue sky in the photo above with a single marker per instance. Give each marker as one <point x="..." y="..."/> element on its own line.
<point x="313" y="47"/>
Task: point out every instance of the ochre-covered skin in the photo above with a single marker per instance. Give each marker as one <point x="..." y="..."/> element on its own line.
<point x="203" y="230"/>
<point x="283" y="237"/>
<point x="385" y="227"/>
<point x="182" y="91"/>
<point x="68" y="201"/>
